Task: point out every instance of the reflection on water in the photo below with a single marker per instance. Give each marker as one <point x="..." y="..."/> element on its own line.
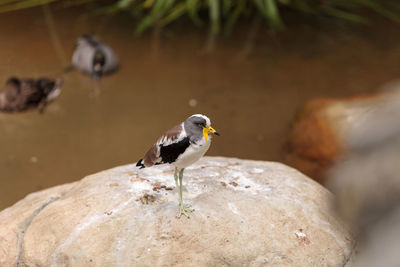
<point x="250" y="101"/>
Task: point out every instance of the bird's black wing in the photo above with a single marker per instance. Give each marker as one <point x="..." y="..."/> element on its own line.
<point x="171" y="152"/>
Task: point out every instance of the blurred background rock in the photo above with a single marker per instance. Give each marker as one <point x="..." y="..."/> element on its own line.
<point x="352" y="145"/>
<point x="317" y="139"/>
<point x="366" y="178"/>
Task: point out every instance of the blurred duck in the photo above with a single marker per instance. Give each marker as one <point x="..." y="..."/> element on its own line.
<point x="94" y="57"/>
<point x="23" y="94"/>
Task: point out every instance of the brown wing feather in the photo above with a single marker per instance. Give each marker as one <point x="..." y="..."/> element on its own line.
<point x="153" y="155"/>
<point x="172" y="134"/>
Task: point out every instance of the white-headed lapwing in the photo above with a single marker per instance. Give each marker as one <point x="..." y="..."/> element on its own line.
<point x="181" y="146"/>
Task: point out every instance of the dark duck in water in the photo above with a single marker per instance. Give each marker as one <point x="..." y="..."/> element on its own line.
<point x="22" y="94"/>
<point x="94" y="57"/>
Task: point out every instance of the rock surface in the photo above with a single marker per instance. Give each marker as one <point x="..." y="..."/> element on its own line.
<point x="247" y="213"/>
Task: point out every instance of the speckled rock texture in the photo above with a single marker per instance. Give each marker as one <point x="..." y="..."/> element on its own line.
<point x="247" y="213"/>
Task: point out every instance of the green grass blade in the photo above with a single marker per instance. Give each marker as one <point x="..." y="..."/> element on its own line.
<point x="12" y="5"/>
<point x="158" y="10"/>
<point x="230" y="23"/>
<point x="227" y="5"/>
<point x="176" y="12"/>
<point x="148" y="3"/>
<point x="384" y="11"/>
<point x="152" y="17"/>
<point x="122" y="4"/>
<point x="270" y="12"/>
<point x="193" y="9"/>
<point x="8" y="2"/>
<point x="214" y="13"/>
<point x="344" y="15"/>
<point x="285" y="2"/>
<point x="273" y="13"/>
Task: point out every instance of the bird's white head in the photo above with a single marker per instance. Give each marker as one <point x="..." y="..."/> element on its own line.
<point x="207" y="119"/>
<point x="203" y="123"/>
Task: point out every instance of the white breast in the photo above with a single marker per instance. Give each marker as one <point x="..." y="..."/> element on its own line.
<point x="192" y="154"/>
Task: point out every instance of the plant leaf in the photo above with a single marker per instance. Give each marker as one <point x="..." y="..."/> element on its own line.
<point x="270" y="11"/>
<point x="13" y="5"/>
<point x="176" y="12"/>
<point x="193" y="8"/>
<point x="214" y="11"/>
<point x="124" y="3"/>
<point x="335" y="12"/>
<point x="226" y="6"/>
<point x="230" y="23"/>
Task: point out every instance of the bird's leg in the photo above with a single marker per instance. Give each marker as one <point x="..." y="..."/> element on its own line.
<point x="176" y="179"/>
<point x="185" y="210"/>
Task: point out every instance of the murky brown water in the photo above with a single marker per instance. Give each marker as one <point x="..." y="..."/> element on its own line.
<point x="251" y="101"/>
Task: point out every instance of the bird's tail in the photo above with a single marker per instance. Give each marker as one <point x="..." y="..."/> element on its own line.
<point x="140" y="164"/>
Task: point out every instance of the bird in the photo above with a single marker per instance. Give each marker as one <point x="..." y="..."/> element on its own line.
<point x="22" y="94"/>
<point x="181" y="146"/>
<point x="94" y="57"/>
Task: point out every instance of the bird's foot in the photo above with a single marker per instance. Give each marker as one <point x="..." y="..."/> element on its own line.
<point x="184" y="210"/>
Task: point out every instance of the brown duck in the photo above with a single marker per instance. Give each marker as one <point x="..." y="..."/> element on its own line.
<point x="22" y="94"/>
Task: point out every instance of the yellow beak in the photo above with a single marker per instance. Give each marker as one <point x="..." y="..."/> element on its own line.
<point x="208" y="129"/>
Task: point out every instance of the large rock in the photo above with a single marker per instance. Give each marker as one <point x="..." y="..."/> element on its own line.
<point x="366" y="182"/>
<point x="320" y="134"/>
<point x="247" y="213"/>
